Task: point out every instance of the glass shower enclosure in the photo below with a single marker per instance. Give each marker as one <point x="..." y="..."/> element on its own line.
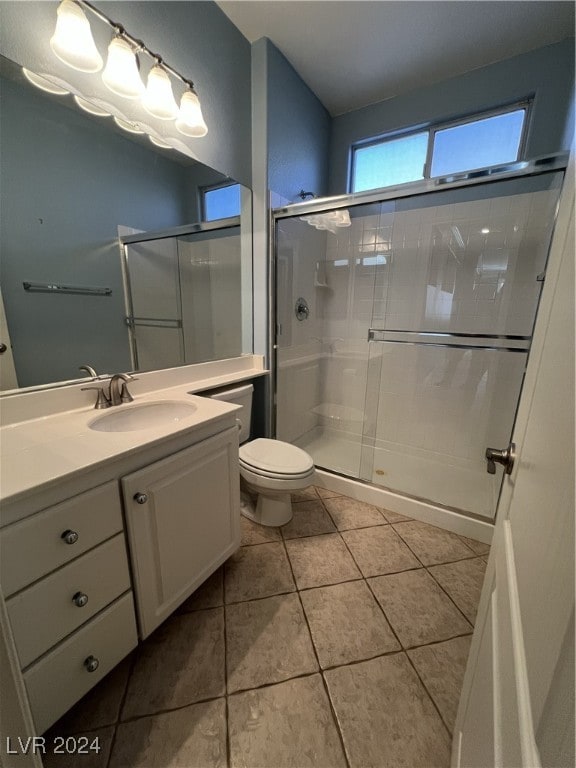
<point x="187" y="294"/>
<point x="403" y="327"/>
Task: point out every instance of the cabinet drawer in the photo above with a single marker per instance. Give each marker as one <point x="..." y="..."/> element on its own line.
<point x="33" y="547"/>
<point x="46" y="612"/>
<point x="59" y="679"/>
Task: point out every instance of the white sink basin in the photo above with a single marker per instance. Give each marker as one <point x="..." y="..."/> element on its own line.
<point x="131" y="418"/>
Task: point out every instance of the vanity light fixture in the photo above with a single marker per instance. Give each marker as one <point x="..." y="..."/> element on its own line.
<point x="121" y="74"/>
<point x="127" y="125"/>
<point x="43" y="83"/>
<point x="190" y="120"/>
<point x="72" y="41"/>
<point x="73" y="44"/>
<point x="159" y="98"/>
<point x="91" y="107"/>
<point x="159" y="142"/>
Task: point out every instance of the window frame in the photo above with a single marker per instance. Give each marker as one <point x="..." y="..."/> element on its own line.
<point x="432" y="129"/>
<point x="210" y="188"/>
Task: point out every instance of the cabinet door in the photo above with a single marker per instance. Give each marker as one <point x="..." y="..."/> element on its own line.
<point x="183" y="517"/>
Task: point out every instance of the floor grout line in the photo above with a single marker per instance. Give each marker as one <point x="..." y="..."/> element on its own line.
<point x="122" y="703"/>
<point x="332" y="710"/>
<point x="226" y="710"/>
<point x="449" y="596"/>
<point x="429" y="694"/>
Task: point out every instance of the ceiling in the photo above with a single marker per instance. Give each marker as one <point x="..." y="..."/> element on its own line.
<point x="356" y="52"/>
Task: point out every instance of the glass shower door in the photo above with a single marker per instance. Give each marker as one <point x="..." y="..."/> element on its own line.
<point x="449" y="339"/>
<point x="322" y="353"/>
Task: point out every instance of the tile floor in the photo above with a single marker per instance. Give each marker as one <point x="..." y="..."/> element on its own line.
<point x="340" y="640"/>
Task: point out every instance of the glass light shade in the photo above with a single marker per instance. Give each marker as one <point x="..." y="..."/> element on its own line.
<point x="121" y="73"/>
<point x="190" y="121"/>
<point x="159" y="99"/>
<point x="159" y="142"/>
<point x="43" y="83"/>
<point x="72" y="41"/>
<point x="127" y="125"/>
<point x="93" y="109"/>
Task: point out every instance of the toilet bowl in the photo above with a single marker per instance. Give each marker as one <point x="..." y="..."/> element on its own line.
<point x="273" y="469"/>
<point x="269" y="469"/>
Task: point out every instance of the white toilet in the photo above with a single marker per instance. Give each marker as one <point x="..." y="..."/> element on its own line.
<point x="270" y="468"/>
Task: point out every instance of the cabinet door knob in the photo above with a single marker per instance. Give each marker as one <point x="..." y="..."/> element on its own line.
<point x="91" y="663"/>
<point x="80" y="599"/>
<point x="70" y="537"/>
<point x="140" y="498"/>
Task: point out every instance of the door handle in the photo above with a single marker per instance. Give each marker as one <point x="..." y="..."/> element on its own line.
<point x="505" y="457"/>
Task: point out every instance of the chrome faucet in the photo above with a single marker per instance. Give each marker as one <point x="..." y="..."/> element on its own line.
<point x="117" y="393"/>
<point x="89" y="370"/>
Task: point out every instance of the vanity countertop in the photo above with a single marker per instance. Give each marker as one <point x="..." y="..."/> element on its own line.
<point x="39" y="453"/>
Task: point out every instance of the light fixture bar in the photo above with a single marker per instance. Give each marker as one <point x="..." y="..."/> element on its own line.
<point x="138" y="44"/>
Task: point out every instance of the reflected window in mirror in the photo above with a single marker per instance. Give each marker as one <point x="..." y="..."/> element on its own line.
<point x="220" y="202"/>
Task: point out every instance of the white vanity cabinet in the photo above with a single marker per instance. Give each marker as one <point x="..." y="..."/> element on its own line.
<point x="183" y="521"/>
<point x="66" y="580"/>
<point x="99" y="558"/>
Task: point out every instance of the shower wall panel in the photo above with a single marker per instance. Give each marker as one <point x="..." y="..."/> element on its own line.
<point x="466" y="267"/>
<point x="299" y="342"/>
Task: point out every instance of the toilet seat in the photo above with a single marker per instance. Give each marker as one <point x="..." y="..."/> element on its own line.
<point x="276" y="475"/>
<point x="275" y="459"/>
<point x="281" y="485"/>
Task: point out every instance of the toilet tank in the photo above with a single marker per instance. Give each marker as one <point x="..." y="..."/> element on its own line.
<point x="239" y="395"/>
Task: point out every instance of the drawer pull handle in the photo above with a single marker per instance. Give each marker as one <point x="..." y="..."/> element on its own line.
<point x="140" y="498"/>
<point x="91" y="663"/>
<point x="70" y="537"/>
<point x="80" y="599"/>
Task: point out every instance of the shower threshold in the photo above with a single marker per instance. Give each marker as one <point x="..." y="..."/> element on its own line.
<point x="437" y="480"/>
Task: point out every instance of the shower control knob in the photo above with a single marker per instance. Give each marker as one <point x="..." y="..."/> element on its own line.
<point x="505" y="457"/>
<point x="301" y="309"/>
<point x="140" y="498"/>
<point x="3" y="348"/>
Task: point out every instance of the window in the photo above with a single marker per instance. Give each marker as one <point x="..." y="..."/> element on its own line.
<point x="489" y="139"/>
<point x="390" y="162"/>
<point x="220" y="202"/>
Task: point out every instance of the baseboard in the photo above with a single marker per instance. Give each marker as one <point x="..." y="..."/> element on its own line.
<point x="420" y="510"/>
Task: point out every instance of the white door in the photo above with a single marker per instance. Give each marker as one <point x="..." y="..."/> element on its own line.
<point x="517" y="703"/>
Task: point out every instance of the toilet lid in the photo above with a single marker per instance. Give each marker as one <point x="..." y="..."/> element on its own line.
<point x="276" y="457"/>
<point x="276" y="475"/>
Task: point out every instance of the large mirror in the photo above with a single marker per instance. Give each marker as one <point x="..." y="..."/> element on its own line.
<point x="72" y="185"/>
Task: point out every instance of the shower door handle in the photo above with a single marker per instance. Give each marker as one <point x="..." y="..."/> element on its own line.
<point x="505" y="457"/>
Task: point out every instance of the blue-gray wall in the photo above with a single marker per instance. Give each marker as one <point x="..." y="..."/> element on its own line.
<point x="194" y="37"/>
<point x="290" y="145"/>
<point x="546" y="73"/>
<point x="298" y="131"/>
